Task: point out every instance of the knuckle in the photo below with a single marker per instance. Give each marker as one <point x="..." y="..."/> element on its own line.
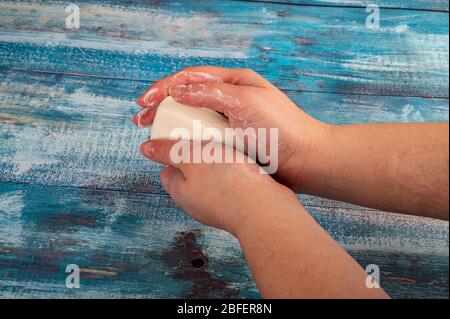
<point x="250" y="94"/>
<point x="209" y="86"/>
<point x="188" y="69"/>
<point x="247" y="72"/>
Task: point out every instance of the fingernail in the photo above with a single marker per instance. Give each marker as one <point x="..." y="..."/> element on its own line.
<point x="148" y="149"/>
<point x="145" y="99"/>
<point x="140" y="101"/>
<point x="178" y="90"/>
<point x="141" y="118"/>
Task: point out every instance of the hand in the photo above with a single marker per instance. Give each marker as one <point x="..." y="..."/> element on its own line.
<point x="288" y="253"/>
<point x="249" y="101"/>
<point x="222" y="195"/>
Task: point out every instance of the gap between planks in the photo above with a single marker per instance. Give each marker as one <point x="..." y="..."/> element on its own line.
<point x="330" y="5"/>
<point x="93" y="76"/>
<point x="165" y="195"/>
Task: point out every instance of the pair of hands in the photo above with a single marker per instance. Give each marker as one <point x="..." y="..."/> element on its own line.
<point x="313" y="158"/>
<point x="224" y="195"/>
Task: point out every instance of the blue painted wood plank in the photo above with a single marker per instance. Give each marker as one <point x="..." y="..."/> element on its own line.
<point x="76" y="131"/>
<point x="126" y="245"/>
<point x="139" y="245"/>
<point x="306" y="48"/>
<point x="432" y="5"/>
<point x="436" y="5"/>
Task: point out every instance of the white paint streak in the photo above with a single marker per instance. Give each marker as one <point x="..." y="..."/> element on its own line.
<point x="11" y="203"/>
<point x="132" y="46"/>
<point x="137" y="31"/>
<point x="411" y="114"/>
<point x="41" y="145"/>
<point x="11" y="207"/>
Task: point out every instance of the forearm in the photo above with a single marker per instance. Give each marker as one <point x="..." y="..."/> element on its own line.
<point x="291" y="256"/>
<point x="395" y="167"/>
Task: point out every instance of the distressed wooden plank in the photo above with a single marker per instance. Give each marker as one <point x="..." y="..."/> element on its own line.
<point x="140" y="245"/>
<point x="432" y="5"/>
<point x="126" y="245"/>
<point x="52" y="139"/>
<point x="307" y="48"/>
<point x="76" y="131"/>
<point x="435" y="5"/>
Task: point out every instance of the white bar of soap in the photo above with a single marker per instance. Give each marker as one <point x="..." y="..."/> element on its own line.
<point x="171" y="114"/>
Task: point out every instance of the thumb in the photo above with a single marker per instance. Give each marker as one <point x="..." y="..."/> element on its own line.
<point x="167" y="151"/>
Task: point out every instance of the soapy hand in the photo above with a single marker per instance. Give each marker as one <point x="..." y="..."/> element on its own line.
<point x="249" y="101"/>
<point x="218" y="194"/>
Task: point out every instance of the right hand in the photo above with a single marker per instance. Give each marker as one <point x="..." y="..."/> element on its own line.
<point x="249" y="101"/>
<point x="230" y="196"/>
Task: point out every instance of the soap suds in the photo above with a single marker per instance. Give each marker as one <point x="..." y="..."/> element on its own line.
<point x="229" y="105"/>
<point x="197" y="76"/>
<point x="148" y="95"/>
<point x="151" y="99"/>
<point x="232" y="108"/>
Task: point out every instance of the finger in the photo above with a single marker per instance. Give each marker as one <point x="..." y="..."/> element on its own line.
<point x="144" y="117"/>
<point x="172" y="180"/>
<point x="237" y="76"/>
<point x="222" y="97"/>
<point x="159" y="90"/>
<point x="199" y="74"/>
<point x="160" y="151"/>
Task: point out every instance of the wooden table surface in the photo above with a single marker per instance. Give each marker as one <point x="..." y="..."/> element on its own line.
<point x="75" y="190"/>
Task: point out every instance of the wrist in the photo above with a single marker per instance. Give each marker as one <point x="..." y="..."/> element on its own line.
<point x="316" y="169"/>
<point x="311" y="163"/>
<point x="264" y="212"/>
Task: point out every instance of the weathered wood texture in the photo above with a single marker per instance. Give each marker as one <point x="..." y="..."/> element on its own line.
<point x="75" y="133"/>
<point x="74" y="189"/>
<point x="436" y="5"/>
<point x="140" y="245"/>
<point x="303" y="48"/>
